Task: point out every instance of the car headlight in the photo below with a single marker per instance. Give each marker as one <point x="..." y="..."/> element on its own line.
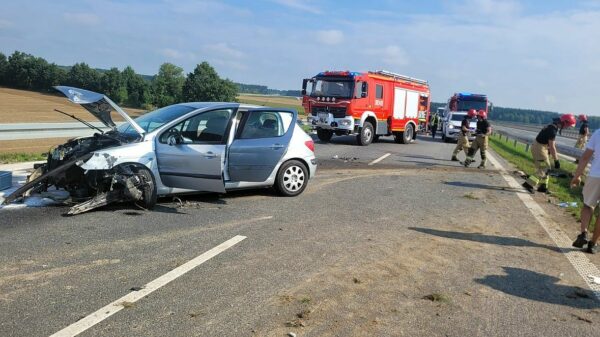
<point x="450" y="126"/>
<point x="345" y="122"/>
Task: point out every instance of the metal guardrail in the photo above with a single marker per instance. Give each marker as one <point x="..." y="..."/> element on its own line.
<point x="528" y="141"/>
<point x="568" y="133"/>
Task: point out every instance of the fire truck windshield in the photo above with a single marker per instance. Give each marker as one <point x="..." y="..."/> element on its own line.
<point x="464" y="105"/>
<point x="333" y="88"/>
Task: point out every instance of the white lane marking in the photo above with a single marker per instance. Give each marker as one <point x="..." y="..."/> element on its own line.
<point x="380" y="159"/>
<point x="578" y="260"/>
<point x="116" y="306"/>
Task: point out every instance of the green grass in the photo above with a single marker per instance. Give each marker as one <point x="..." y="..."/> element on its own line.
<point x="266" y="102"/>
<point x="8" y="158"/>
<point x="559" y="187"/>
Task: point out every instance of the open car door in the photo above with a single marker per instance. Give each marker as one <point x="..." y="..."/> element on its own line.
<point x="191" y="154"/>
<point x="261" y="140"/>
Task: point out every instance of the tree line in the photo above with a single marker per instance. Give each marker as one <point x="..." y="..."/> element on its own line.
<point x="525" y="116"/>
<point x="126" y="87"/>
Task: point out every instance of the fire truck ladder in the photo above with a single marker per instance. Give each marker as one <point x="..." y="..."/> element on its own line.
<point x="399" y="76"/>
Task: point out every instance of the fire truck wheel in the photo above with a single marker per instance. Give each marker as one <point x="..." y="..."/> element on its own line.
<point x="405" y="136"/>
<point x="324" y="135"/>
<point x="366" y="134"/>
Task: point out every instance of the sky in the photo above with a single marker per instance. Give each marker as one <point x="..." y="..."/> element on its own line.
<point x="525" y="54"/>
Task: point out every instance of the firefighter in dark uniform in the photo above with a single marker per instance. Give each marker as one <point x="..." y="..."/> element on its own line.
<point x="584" y="132"/>
<point x="435" y="121"/>
<point x="482" y="133"/>
<point x="462" y="143"/>
<point x="541" y="150"/>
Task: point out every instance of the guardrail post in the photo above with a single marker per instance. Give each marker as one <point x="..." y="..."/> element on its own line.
<point x="527" y="147"/>
<point x="515" y="143"/>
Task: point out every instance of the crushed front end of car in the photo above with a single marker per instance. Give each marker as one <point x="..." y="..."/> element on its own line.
<point x="92" y="186"/>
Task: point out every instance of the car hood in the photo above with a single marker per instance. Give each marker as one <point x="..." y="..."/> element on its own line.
<point x="98" y="105"/>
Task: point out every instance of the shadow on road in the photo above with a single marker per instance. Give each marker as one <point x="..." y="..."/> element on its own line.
<point x="483" y="238"/>
<point x="539" y="287"/>
<point x="485" y="187"/>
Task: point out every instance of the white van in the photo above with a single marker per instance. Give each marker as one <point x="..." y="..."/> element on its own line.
<point x="451" y="126"/>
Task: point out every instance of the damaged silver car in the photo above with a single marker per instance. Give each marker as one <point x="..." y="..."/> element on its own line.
<point x="182" y="148"/>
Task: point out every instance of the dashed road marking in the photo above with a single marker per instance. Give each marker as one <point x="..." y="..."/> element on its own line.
<point x="586" y="269"/>
<point x="380" y="159"/>
<point x="118" y="305"/>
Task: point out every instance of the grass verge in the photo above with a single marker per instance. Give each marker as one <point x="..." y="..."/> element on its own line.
<point x="267" y="102"/>
<point x="8" y="158"/>
<point x="559" y="187"/>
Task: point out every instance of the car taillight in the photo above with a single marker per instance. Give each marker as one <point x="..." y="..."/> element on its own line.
<point x="310" y="145"/>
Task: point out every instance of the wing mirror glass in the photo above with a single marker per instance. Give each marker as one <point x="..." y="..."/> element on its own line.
<point x="364" y="89"/>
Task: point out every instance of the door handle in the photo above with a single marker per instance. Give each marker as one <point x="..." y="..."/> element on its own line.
<point x="277" y="146"/>
<point x="210" y="155"/>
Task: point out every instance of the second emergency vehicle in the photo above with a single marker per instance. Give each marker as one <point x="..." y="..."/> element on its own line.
<point x="367" y="104"/>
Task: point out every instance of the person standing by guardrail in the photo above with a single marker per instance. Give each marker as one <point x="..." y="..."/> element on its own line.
<point x="591" y="192"/>
<point x="584" y="131"/>
<point x="435" y="121"/>
<point x="482" y="133"/>
<point x="462" y="143"/>
<point x="541" y="150"/>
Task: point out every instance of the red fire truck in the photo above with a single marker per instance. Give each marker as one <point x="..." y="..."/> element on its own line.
<point x="368" y="105"/>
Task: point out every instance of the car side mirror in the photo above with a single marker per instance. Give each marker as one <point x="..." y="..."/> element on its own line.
<point x="363" y="90"/>
<point x="304" y="83"/>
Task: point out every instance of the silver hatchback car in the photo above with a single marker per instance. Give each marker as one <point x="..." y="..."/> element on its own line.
<point x="182" y="148"/>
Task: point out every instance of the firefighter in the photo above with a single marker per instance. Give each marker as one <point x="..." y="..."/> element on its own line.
<point x="544" y="146"/>
<point x="435" y="121"/>
<point x="463" y="137"/>
<point x="482" y="134"/>
<point x="584" y="131"/>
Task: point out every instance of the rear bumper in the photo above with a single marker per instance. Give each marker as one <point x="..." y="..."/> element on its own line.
<point x="312" y="165"/>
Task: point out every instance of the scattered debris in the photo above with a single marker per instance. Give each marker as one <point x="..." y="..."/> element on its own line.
<point x="303" y="314"/>
<point x="136" y="288"/>
<point x="296" y="323"/>
<point x="357" y="281"/>
<point x="345" y="159"/>
<point x="437" y="297"/>
<point x="127" y="305"/>
<point x="595" y="279"/>
<point x="568" y="204"/>
<point x="291" y="334"/>
<point x="470" y="196"/>
<point x="581" y="318"/>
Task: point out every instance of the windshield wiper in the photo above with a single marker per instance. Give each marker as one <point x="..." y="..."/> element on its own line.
<point x="81" y="120"/>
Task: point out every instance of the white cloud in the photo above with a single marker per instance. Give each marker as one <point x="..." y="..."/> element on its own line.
<point x="391" y="55"/>
<point x="5" y="24"/>
<point x="330" y="37"/>
<point x="82" y="18"/>
<point x="299" y="5"/>
<point x="223" y="50"/>
<point x="175" y="54"/>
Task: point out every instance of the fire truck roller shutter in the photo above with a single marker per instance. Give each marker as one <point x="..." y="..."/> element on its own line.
<point x="412" y="104"/>
<point x="399" y="103"/>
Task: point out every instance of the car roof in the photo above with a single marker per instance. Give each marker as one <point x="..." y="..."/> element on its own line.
<point x="204" y="105"/>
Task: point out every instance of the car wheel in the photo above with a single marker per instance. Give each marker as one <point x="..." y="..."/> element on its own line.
<point x="324" y="135"/>
<point x="149" y="194"/>
<point x="292" y="178"/>
<point x="366" y="134"/>
<point x="406" y="136"/>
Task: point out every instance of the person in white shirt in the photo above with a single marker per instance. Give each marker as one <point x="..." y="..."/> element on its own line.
<point x="591" y="192"/>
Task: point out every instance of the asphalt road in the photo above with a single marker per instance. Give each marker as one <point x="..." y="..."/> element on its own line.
<point x="357" y="254"/>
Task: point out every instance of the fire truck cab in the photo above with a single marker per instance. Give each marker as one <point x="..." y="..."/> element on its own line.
<point x="368" y="105"/>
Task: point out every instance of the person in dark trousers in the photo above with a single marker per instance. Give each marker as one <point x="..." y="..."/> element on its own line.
<point x="591" y="193"/>
<point x="435" y="121"/>
<point x="462" y="142"/>
<point x="584" y="131"/>
<point x="541" y="150"/>
<point x="482" y="133"/>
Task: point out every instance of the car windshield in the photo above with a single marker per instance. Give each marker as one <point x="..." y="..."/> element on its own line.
<point x="468" y="105"/>
<point x="333" y="88"/>
<point x="456" y="117"/>
<point x="157" y="118"/>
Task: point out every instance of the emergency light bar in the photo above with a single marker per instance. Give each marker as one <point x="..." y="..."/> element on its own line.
<point x="399" y="76"/>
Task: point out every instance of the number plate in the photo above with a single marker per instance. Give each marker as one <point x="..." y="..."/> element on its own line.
<point x="323" y="117"/>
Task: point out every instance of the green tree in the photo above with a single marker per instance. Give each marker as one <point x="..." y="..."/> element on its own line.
<point x="138" y="93"/>
<point x="168" y="85"/>
<point x="114" y="86"/>
<point x="204" y="84"/>
<point x="3" y="69"/>
<point x="82" y="76"/>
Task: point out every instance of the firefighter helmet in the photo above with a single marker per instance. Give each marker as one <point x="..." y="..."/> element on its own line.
<point x="582" y="118"/>
<point x="472" y="113"/>
<point x="482" y="114"/>
<point x="568" y="120"/>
